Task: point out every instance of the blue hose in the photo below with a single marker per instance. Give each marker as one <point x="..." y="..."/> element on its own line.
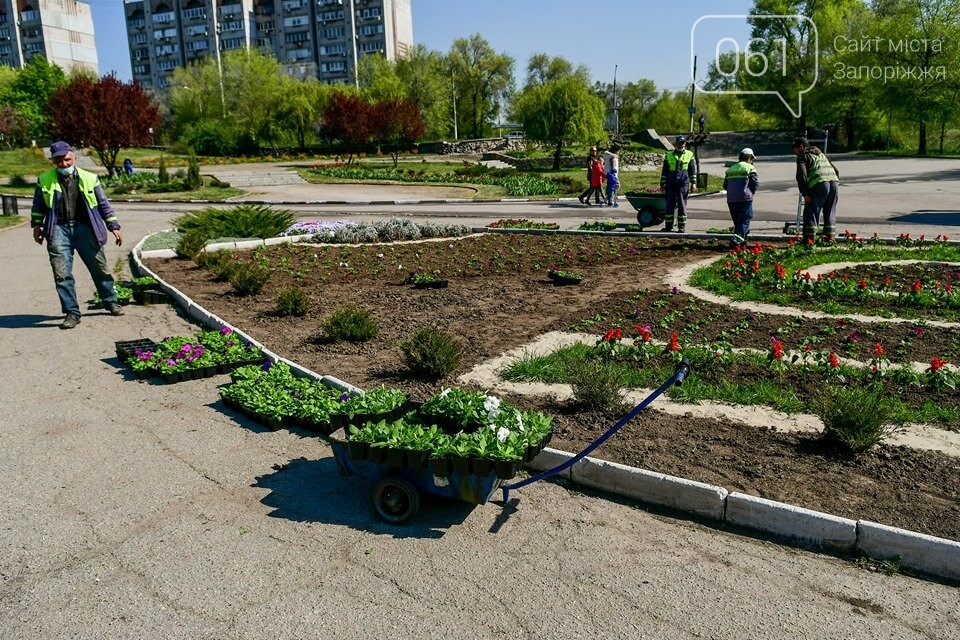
<point x="683" y="369"/>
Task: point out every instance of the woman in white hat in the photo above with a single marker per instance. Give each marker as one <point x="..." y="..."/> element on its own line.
<point x="741" y="183"/>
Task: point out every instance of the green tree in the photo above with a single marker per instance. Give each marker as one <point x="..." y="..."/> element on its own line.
<point x="633" y="99"/>
<point x="542" y="68"/>
<point x="426" y="81"/>
<point x="379" y="80"/>
<point x="301" y="107"/>
<point x="30" y="93"/>
<point x="560" y="111"/>
<point x="482" y="79"/>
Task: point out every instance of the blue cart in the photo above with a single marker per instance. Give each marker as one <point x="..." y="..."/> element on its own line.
<point x="396" y="491"/>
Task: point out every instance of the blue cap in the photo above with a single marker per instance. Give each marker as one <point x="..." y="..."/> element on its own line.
<point x="680" y="140"/>
<point x="59" y="148"/>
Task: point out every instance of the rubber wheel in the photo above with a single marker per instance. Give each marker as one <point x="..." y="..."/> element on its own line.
<point x="395" y="500"/>
<point x="645" y="217"/>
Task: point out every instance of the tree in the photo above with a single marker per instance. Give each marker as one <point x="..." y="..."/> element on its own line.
<point x="426" y="81"/>
<point x="542" y="68"/>
<point x="13" y="127"/>
<point x="301" y="107"/>
<point x="396" y="122"/>
<point x="379" y="80"/>
<point x="560" y="111"/>
<point x="482" y="81"/>
<point x="633" y="99"/>
<point x="106" y="114"/>
<point x="347" y="118"/>
<point x="30" y="92"/>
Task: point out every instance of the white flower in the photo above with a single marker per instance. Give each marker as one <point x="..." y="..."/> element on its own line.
<point x="443" y="394"/>
<point x="502" y="434"/>
<point x="379" y="255"/>
<point x="344" y="264"/>
<point x="492" y="403"/>
<point x="519" y="422"/>
<point x="399" y="267"/>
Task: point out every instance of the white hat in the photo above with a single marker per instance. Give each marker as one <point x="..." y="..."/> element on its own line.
<point x="747" y="151"/>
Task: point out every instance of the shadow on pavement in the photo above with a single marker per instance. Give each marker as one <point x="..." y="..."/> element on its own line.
<point x="930" y="217"/>
<point x="28" y="321"/>
<point x="314" y="491"/>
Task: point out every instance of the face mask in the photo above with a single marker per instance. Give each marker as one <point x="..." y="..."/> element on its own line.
<point x="66" y="171"/>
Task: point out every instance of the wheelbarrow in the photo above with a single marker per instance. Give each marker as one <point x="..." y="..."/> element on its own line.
<point x="396" y="491"/>
<point x="651" y="207"/>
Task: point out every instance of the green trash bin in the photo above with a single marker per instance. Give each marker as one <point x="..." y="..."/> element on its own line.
<point x="702" y="180"/>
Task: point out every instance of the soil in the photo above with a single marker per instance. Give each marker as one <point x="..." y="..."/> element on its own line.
<point x="500" y="298"/>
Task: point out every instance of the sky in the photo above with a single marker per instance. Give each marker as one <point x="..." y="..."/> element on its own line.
<point x="637" y="38"/>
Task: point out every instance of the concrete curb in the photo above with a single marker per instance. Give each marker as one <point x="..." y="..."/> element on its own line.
<point x="928" y="554"/>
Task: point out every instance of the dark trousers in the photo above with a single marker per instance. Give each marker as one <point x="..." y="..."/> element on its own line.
<point x="823" y="199"/>
<point x="596" y="192"/>
<point x="741" y="213"/>
<point x="676" y="193"/>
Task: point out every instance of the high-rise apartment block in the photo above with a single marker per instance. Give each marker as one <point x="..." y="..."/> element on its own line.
<point x="319" y="38"/>
<point x="59" y="30"/>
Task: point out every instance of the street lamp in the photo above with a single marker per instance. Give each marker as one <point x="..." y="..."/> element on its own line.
<point x="353" y="44"/>
<point x="199" y="98"/>
<point x="216" y="42"/>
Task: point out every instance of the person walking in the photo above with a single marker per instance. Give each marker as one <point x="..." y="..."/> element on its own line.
<point x="677" y="179"/>
<point x="611" y="165"/>
<point x="71" y="212"/>
<point x="596" y="175"/>
<point x="128" y="166"/>
<point x="594" y="178"/>
<point x="741" y="182"/>
<point x="819" y="182"/>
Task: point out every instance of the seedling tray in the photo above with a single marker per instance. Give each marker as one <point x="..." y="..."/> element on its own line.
<point x="128" y="348"/>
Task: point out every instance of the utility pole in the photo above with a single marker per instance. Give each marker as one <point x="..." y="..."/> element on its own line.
<point x="216" y="42"/>
<point x="455" y="134"/>
<point x="616" y="110"/>
<point x="693" y="90"/>
<point x="353" y="44"/>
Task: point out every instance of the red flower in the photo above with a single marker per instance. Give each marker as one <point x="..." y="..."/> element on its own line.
<point x="674" y="342"/>
<point x="937" y="363"/>
<point x="643" y="332"/>
<point x="834" y="360"/>
<point x="916" y="286"/>
<point x="808" y="347"/>
<point x="948" y="287"/>
<point x="613" y="334"/>
<point x="777" y="347"/>
<point x="863" y="283"/>
<point x="878" y="350"/>
<point x="886" y="281"/>
<point x="781" y="272"/>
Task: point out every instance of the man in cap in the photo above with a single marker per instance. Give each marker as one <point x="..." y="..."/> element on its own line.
<point x="741" y="183"/>
<point x="72" y="213"/>
<point x="679" y="176"/>
<point x="819" y="184"/>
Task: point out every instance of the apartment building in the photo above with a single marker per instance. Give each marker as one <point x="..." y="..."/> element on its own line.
<point x="59" y="30"/>
<point x="319" y="38"/>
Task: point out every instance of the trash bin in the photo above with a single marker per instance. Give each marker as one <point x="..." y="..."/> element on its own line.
<point x="702" y="179"/>
<point x="10" y="206"/>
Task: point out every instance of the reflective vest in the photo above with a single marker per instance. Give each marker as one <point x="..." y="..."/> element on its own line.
<point x="821" y="170"/>
<point x="683" y="159"/>
<point x="86" y="183"/>
<point x="742" y="169"/>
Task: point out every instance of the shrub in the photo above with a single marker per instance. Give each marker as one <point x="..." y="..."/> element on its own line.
<point x="599" y="386"/>
<point x="431" y="353"/>
<point x="220" y="263"/>
<point x="855" y="418"/>
<point x="248" y="279"/>
<point x="350" y="324"/>
<point x="292" y="302"/>
<point x="242" y="221"/>
<point x="194" y="181"/>
<point x="191" y="244"/>
<point x="17" y="180"/>
<point x="162" y="176"/>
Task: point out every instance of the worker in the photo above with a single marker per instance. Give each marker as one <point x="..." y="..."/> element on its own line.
<point x="679" y="176"/>
<point x="740" y="183"/>
<point x="819" y="184"/>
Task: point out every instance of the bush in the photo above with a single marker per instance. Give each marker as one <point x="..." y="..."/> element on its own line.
<point x="220" y="263"/>
<point x="855" y="418"/>
<point x="162" y="176"/>
<point x="248" y="279"/>
<point x="292" y="302"/>
<point x="17" y="180"/>
<point x="350" y="324"/>
<point x="599" y="386"/>
<point x="242" y="221"/>
<point x="191" y="244"/>
<point x="431" y="353"/>
<point x="194" y="181"/>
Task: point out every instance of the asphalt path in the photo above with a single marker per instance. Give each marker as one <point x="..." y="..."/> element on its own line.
<point x="141" y="510"/>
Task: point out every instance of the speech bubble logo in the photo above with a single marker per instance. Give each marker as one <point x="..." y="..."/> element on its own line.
<point x="784" y="63"/>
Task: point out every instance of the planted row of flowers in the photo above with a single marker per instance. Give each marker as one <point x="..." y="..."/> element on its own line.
<point x="182" y="358"/>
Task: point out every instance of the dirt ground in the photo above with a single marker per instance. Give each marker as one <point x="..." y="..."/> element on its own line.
<point x="490" y="313"/>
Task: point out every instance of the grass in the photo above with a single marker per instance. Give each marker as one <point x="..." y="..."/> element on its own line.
<point x="150" y="158"/>
<point x="23" y="162"/>
<point x="206" y="193"/>
<point x="7" y="222"/>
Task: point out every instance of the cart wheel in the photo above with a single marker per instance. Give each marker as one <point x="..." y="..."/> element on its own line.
<point x="396" y="500"/>
<point x="645" y="217"/>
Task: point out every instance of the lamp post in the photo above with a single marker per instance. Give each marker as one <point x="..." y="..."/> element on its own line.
<point x="199" y="98"/>
<point x="353" y="44"/>
<point x="216" y="42"/>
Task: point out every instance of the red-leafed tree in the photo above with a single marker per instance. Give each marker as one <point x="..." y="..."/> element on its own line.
<point x="13" y="127"/>
<point x="347" y="118"/>
<point x="396" y="123"/>
<point x="105" y="114"/>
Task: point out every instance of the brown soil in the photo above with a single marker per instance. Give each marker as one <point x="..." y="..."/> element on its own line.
<point x="499" y="298"/>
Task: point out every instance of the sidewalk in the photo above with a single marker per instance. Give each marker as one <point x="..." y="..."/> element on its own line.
<point x="147" y="510"/>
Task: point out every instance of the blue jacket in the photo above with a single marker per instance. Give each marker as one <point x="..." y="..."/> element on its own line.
<point x="46" y="202"/>
<point x="741" y="182"/>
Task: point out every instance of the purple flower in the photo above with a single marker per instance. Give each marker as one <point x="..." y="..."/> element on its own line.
<point x="675" y="291"/>
<point x="144" y="355"/>
<point x="751" y="316"/>
<point x="266" y="365"/>
<point x="918" y="331"/>
<point x="229" y="343"/>
<point x="172" y="363"/>
<point x="344" y="397"/>
<point x="632" y="248"/>
<point x="187" y="348"/>
<point x="225" y="331"/>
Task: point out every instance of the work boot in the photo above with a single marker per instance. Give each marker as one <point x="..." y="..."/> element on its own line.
<point x="70" y="321"/>
<point x="113" y="309"/>
<point x="667" y="229"/>
<point x="681" y="229"/>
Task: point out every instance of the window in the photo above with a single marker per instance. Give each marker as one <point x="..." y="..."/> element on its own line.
<point x="333" y="67"/>
<point x="198" y="45"/>
<point x="167" y="50"/>
<point x="370" y="47"/>
<point x="333" y="50"/>
<point x="138" y="38"/>
<point x="195" y="13"/>
<point x="136" y="23"/>
<point x="295" y="38"/>
<point x="164" y="33"/>
<point x="232" y="25"/>
<point x="232" y="43"/>
<point x="6" y="49"/>
<point x="297" y="21"/>
<point x="33" y="47"/>
<point x="290" y="5"/>
<point x="267" y="25"/>
<point x="166" y="16"/>
<point x="29" y="16"/>
<point x="197" y="30"/>
<point x="334" y="32"/>
<point x="298" y="54"/>
<point x="371" y="30"/>
<point x="229" y="9"/>
<point x="141" y="53"/>
<point x="327" y="16"/>
<point x="367" y="14"/>
<point x="166" y="65"/>
<point x="31" y="32"/>
<point x="141" y="69"/>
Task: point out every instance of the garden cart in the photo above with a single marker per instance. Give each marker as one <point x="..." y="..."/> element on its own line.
<point x="651" y="207"/>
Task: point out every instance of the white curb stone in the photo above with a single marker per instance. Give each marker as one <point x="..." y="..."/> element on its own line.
<point x="249" y="244"/>
<point x="919" y="551"/>
<point x="158" y="253"/>
<point x="796" y="523"/>
<point x="337" y="383"/>
<point x="649" y="486"/>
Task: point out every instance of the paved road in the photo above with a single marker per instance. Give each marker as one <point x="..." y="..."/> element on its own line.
<point x="137" y="510"/>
